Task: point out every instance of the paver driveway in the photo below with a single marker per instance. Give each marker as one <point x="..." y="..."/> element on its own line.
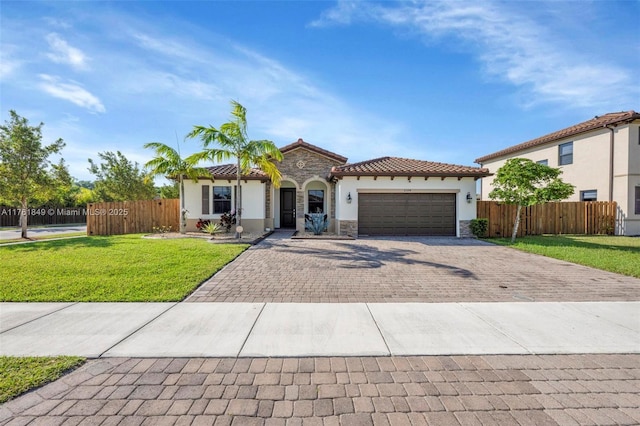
<point x="406" y="270"/>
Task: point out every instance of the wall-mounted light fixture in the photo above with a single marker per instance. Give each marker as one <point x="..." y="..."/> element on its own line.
<point x="349" y="198"/>
<point x="469" y="199"/>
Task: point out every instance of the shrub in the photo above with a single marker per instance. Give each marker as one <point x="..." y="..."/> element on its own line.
<point x="211" y="228"/>
<point x="479" y="227"/>
<point x="227" y="220"/>
<point x="202" y="223"/>
<point x="161" y="229"/>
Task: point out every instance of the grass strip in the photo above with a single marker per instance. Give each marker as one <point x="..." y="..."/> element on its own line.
<point x="21" y="374"/>
<point x="610" y="253"/>
<point x="44" y="237"/>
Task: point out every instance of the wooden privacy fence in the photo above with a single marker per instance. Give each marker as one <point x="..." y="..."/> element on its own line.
<point x="596" y="217"/>
<point x="132" y="217"/>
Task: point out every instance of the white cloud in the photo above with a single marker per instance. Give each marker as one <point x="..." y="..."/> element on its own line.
<point x="57" y="22"/>
<point x="8" y="62"/>
<point x="283" y="104"/>
<point x="62" y="53"/>
<point x="71" y="92"/>
<point x="510" y="46"/>
<point x="7" y="66"/>
<point x="342" y="14"/>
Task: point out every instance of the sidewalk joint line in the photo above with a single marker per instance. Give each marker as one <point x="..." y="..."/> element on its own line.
<point x="137" y="329"/>
<point x="43" y="316"/>
<point x="251" y="329"/>
<point x="379" y="331"/>
<point x="504" y="333"/>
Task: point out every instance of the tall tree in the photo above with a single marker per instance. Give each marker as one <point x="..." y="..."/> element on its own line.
<point x="169" y="191"/>
<point x="524" y="183"/>
<point x="169" y="163"/>
<point x="64" y="189"/>
<point x="231" y="141"/>
<point x="118" y="179"/>
<point x="24" y="164"/>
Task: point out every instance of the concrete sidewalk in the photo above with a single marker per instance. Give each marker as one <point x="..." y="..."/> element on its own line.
<point x="317" y="329"/>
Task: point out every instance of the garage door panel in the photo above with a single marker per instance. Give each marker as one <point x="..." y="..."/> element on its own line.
<point x="407" y="214"/>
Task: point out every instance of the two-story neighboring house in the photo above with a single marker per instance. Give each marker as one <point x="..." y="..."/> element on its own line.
<point x="600" y="157"/>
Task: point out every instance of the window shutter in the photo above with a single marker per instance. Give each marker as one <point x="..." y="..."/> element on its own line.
<point x="205" y="199"/>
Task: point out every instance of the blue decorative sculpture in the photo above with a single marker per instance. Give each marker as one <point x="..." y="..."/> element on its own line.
<point x="316" y="223"/>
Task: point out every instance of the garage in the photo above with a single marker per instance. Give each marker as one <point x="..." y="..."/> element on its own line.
<point x="431" y="214"/>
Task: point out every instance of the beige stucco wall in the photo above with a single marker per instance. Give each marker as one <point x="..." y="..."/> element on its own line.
<point x="632" y="222"/>
<point x="253" y="202"/>
<point x="348" y="212"/>
<point x="591" y="168"/>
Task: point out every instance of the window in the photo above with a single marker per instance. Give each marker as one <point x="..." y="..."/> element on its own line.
<point x="316" y="201"/>
<point x="543" y="162"/>
<point x="589" y="195"/>
<point x="205" y="199"/>
<point x="565" y="153"/>
<point x="637" y="199"/>
<point x="221" y="199"/>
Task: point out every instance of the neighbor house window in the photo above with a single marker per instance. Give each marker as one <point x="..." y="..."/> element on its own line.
<point x="565" y="153"/>
<point x="316" y="201"/>
<point x="589" y="195"/>
<point x="221" y="199"/>
<point x="543" y="162"/>
<point x="637" y="199"/>
<point x="205" y="199"/>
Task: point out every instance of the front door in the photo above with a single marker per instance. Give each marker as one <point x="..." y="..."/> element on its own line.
<point x="287" y="207"/>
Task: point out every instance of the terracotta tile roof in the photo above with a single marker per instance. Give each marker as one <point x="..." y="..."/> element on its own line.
<point x="302" y="144"/>
<point x="597" y="122"/>
<point x="394" y="166"/>
<point x="228" y="171"/>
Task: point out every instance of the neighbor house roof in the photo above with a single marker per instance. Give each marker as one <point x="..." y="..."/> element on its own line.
<point x="228" y="171"/>
<point x="611" y="119"/>
<point x="302" y="144"/>
<point x="394" y="166"/>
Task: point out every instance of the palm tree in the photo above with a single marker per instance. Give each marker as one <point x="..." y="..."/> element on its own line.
<point x="232" y="142"/>
<point x="168" y="163"/>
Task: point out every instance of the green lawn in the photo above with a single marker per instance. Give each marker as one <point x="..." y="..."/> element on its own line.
<point x="123" y="268"/>
<point x="18" y="375"/>
<point x="615" y="254"/>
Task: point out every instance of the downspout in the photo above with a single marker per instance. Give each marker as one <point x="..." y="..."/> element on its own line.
<point x="610" y="163"/>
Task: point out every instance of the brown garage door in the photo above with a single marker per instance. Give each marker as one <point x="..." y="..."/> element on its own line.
<point x="407" y="214"/>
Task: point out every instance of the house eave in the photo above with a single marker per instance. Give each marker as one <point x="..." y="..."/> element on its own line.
<point x="341" y="175"/>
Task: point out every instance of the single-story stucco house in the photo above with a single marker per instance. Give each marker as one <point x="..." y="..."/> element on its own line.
<point x="383" y="196"/>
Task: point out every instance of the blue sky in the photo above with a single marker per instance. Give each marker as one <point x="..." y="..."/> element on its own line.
<point x="442" y="81"/>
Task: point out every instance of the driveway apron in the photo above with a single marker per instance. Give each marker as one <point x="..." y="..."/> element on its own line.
<point x="406" y="270"/>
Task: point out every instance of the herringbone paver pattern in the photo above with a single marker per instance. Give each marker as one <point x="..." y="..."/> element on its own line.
<point x="406" y="270"/>
<point x="441" y="390"/>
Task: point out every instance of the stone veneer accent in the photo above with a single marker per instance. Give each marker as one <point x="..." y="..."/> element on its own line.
<point x="465" y="229"/>
<point x="267" y="202"/>
<point x="349" y="227"/>
<point x="315" y="166"/>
